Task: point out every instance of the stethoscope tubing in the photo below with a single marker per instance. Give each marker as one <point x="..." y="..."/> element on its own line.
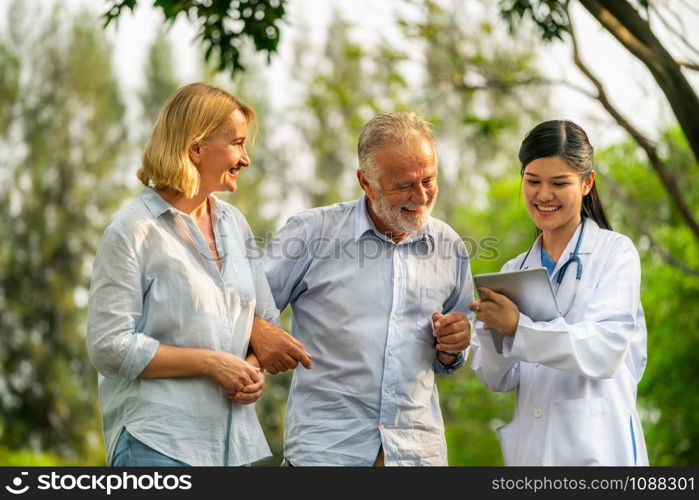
<point x="575" y="258"/>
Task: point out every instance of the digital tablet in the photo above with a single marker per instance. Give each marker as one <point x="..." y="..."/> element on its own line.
<point x="530" y="289"/>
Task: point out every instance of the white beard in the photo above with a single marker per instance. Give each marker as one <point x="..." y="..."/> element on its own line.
<point x="397" y="219"/>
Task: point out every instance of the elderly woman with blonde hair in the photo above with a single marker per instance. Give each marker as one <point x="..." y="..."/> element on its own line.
<point x="174" y="292"/>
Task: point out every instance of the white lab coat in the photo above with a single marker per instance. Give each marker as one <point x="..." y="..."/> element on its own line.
<point x="575" y="376"/>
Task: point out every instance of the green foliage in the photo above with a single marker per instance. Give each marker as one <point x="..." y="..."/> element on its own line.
<point x="667" y="394"/>
<point x="471" y="415"/>
<point x="549" y="16"/>
<point x="225" y="25"/>
<point x="67" y="135"/>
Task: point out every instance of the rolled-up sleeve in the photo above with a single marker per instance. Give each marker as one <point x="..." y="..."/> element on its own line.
<point x="443" y="369"/>
<point x="114" y="309"/>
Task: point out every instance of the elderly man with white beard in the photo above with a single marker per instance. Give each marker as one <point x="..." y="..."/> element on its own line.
<point x="379" y="292"/>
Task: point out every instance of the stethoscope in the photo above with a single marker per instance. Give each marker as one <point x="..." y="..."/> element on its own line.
<point x="575" y="258"/>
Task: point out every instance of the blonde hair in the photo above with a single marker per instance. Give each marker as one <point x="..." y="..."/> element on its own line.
<point x="192" y="114"/>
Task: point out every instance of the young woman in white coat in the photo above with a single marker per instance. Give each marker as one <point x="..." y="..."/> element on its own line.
<point x="576" y="376"/>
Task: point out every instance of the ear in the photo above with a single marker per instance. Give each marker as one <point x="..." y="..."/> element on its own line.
<point x="588" y="183"/>
<point x="366" y="187"/>
<point x="194" y="152"/>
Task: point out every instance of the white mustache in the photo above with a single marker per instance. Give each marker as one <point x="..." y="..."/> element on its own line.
<point x="411" y="206"/>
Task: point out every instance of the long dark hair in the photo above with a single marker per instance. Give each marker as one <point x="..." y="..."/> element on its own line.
<point x="569" y="142"/>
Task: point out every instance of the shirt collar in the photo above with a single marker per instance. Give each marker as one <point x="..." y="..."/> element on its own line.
<point x="154" y="203"/>
<point x="363" y="223"/>
<point x="158" y="206"/>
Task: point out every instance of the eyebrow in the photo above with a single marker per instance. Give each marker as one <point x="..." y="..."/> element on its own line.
<point x="562" y="176"/>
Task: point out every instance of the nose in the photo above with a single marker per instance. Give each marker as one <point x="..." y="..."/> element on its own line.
<point x="420" y="195"/>
<point x="244" y="160"/>
<point x="544" y="193"/>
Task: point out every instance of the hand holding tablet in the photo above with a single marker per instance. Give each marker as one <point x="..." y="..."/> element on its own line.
<point x="529" y="289"/>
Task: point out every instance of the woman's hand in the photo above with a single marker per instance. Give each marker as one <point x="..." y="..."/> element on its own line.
<point x="496" y="311"/>
<point x="250" y="393"/>
<point x="234" y="374"/>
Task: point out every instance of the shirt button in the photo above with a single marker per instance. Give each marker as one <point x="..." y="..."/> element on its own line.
<point x="388" y="389"/>
<point x="538" y="413"/>
<point x="393" y="316"/>
<point x="390" y="352"/>
<point x="537" y="365"/>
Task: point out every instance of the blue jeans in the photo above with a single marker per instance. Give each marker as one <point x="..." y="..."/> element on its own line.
<point x="130" y="452"/>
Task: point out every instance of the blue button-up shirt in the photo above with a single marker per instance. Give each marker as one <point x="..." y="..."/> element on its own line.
<point x="154" y="280"/>
<point x="362" y="306"/>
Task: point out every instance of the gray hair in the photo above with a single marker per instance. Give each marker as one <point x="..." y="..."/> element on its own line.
<point x="388" y="128"/>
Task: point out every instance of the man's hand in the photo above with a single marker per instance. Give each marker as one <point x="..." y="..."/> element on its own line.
<point x="496" y="311"/>
<point x="276" y="350"/>
<point x="453" y="333"/>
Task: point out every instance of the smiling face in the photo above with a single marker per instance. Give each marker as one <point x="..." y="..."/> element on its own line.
<point x="401" y="200"/>
<point x="553" y="192"/>
<point x="220" y="157"/>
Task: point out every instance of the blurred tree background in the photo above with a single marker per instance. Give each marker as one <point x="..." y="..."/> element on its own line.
<point x="71" y="148"/>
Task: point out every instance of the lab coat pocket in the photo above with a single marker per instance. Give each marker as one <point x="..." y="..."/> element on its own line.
<point x="429" y="304"/>
<point x="509" y="442"/>
<point x="579" y="433"/>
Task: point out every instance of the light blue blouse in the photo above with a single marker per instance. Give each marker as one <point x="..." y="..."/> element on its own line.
<point x="154" y="281"/>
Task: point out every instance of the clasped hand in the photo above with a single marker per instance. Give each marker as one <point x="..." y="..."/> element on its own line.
<point x="242" y="381"/>
<point x="452" y="331"/>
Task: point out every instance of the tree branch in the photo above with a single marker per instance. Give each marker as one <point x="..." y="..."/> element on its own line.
<point x="529" y="81"/>
<point x="689" y="65"/>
